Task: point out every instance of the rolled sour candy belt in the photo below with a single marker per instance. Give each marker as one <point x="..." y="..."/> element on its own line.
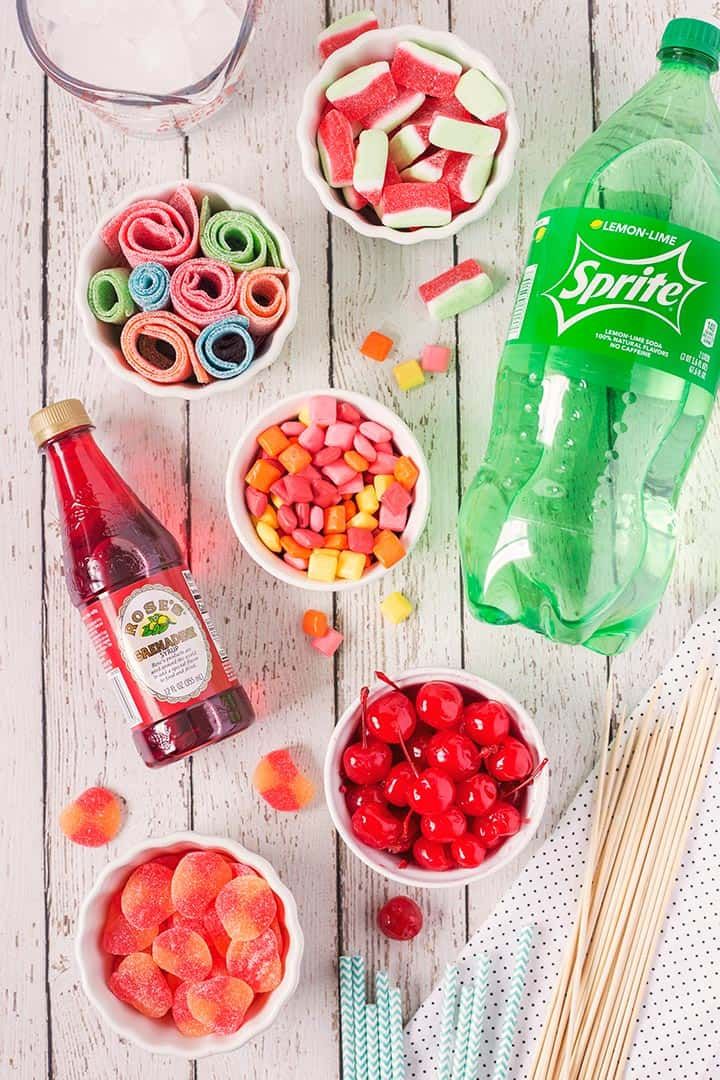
<point x="262" y="299"/>
<point x="371" y="159"/>
<point x="225" y="348"/>
<point x="203" y="290"/>
<point x="239" y="239"/>
<point x="481" y="98"/>
<point x="459" y="288"/>
<point x="416" y="67"/>
<point x="413" y="205"/>
<point x="108" y="296"/>
<point x="465" y="137"/>
<point x="149" y="285"/>
<point x="345" y="30"/>
<point x="159" y="345"/>
<point x="363" y="91"/>
<point x="151" y="230"/>
<point x="336" y="148"/>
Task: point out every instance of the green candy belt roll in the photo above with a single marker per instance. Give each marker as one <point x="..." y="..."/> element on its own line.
<point x="108" y="296"/>
<point x="240" y="239"/>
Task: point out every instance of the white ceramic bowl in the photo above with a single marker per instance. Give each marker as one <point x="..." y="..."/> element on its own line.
<point x="387" y="864"/>
<point x="380" y="45"/>
<point x="160" y="1036"/>
<point x="104" y="338"/>
<point x="243" y="456"/>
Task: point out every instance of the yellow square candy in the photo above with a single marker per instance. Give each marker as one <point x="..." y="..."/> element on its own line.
<point x="409" y="375"/>
<point x="396" y="607"/>
<point x="269" y="516"/>
<point x="275" y="499"/>
<point x="351" y="565"/>
<point x="323" y="564"/>
<point x="304" y="416"/>
<point x="382" y="483"/>
<point x="269" y="536"/>
<point x="367" y="500"/>
<point x="363" y="521"/>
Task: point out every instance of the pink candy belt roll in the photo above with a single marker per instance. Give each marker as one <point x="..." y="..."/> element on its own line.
<point x="203" y="290"/>
<point x="262" y="298"/>
<point x="151" y="230"/>
<point x="160" y="346"/>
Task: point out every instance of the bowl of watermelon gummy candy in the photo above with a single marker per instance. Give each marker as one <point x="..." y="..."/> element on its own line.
<point x="408" y="134"/>
<point x="437" y="778"/>
<point x="189" y="945"/>
<point x="328" y="490"/>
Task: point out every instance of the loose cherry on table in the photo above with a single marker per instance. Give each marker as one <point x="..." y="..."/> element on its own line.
<point x="400" y="918"/>
<point x="439" y="704"/>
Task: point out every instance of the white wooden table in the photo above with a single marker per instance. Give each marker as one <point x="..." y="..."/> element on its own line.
<point x="60" y="170"/>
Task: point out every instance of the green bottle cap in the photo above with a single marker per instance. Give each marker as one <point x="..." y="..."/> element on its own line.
<point x="694" y="34"/>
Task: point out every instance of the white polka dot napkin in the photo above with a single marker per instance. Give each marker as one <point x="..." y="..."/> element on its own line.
<point x="678" y="1033"/>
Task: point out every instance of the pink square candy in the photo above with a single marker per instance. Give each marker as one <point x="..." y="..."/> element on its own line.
<point x="395" y="520"/>
<point x="256" y="501"/>
<point x="329" y="643"/>
<point x="323" y="410"/>
<point x="435" y="358"/>
<point x="312" y="438"/>
<point x="360" y="540"/>
<point x="396" y="499"/>
<point x="340" y="434"/>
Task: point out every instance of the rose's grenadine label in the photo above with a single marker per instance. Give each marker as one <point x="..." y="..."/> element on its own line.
<point x="158" y="646"/>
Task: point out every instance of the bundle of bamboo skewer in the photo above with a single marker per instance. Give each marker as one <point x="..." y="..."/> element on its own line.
<point x="648" y="788"/>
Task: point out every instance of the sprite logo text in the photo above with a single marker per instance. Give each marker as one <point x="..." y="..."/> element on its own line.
<point x="595" y="282"/>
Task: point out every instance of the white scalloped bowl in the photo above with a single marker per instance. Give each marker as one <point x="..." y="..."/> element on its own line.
<point x="389" y="865"/>
<point x="380" y="45"/>
<point x="105" y="338"/>
<point x="161" y="1036"/>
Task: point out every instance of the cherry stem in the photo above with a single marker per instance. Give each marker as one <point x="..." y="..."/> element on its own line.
<point x="486" y="751"/>
<point x="406" y="752"/>
<point x="388" y="681"/>
<point x="528" y="779"/>
<point x="364" y="694"/>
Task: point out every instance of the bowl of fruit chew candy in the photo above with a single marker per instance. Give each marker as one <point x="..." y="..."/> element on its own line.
<point x="328" y="490"/>
<point x="408" y="134"/>
<point x="436" y="778"/>
<point x="189" y="945"/>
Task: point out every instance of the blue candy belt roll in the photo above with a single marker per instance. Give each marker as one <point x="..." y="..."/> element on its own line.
<point x="225" y="348"/>
<point x="149" y="286"/>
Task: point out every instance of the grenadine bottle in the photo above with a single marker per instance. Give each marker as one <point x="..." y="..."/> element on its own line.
<point x="127" y="575"/>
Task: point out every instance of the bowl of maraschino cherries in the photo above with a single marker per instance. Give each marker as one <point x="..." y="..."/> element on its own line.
<point x="436" y="778"/>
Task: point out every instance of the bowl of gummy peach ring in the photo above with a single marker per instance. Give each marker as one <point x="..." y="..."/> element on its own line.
<point x="187" y="289"/>
<point x="328" y="490"/>
<point x="189" y="945"/>
<point x="406" y="133"/>
<point x="436" y="778"/>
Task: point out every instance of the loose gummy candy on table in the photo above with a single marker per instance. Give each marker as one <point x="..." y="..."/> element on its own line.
<point x="467" y="137"/>
<point x="280" y="783"/>
<point x="198" y="878"/>
<point x="93" y="818"/>
<point x="363" y="91"/>
<point x="139" y="982"/>
<point x="409" y="375"/>
<point x="344" y="30"/>
<point x="371" y="159"/>
<point x="336" y="148"/>
<point x="419" y="68"/>
<point x="146" y="899"/>
<point x="480" y="96"/>
<point x="220" y="1003"/>
<point x="182" y="952"/>
<point x="466" y="175"/>
<point x="246" y="906"/>
<point x="314" y="623"/>
<point x="185" y="1022"/>
<point x="414" y="205"/>
<point x="256" y="962"/>
<point x="396" y="607"/>
<point x="329" y="642"/>
<point x="391" y="116"/>
<point x="120" y="938"/>
<point x="457" y="289"/>
<point x="435" y="358"/>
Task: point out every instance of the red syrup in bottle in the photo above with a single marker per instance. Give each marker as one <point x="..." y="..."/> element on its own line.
<point x="128" y="576"/>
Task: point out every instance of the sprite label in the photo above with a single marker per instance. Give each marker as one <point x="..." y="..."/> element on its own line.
<point x="629" y="288"/>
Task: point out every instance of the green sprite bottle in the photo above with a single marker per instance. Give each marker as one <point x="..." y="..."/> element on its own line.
<point x="608" y="376"/>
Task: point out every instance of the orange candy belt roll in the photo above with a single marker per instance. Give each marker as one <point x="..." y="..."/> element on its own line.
<point x="262" y="298"/>
<point x="160" y="346"/>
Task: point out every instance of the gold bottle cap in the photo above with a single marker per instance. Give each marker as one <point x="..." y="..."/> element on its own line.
<point x="56" y="418"/>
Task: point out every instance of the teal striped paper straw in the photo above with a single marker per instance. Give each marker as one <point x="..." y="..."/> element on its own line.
<point x="396" y="1035"/>
<point x="382" y="1000"/>
<point x="447" y="1022"/>
<point x="373" y="1046"/>
<point x="347" y="1020"/>
<point x="463" y="1033"/>
<point x="512" y="1009"/>
<point x="480" y="990"/>
<point x="359" y="1018"/>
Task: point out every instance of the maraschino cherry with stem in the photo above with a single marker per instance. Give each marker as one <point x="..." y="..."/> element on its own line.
<point x="370" y="760"/>
<point x="392" y="716"/>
